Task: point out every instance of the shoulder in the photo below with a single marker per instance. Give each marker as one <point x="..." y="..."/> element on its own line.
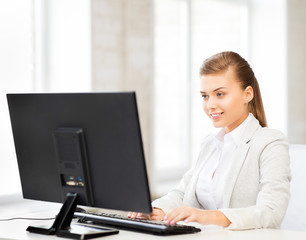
<point x="254" y="132"/>
<point x="264" y="141"/>
<point x="270" y="143"/>
<point x="266" y="135"/>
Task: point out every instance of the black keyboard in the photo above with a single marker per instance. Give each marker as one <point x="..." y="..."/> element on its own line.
<point x="142" y="225"/>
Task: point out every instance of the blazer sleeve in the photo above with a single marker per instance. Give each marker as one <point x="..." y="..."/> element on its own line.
<point x="274" y="188"/>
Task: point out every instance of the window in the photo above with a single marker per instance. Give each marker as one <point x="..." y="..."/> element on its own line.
<point x="171" y="86"/>
<point x="45" y="46"/>
<point x="16" y="61"/>
<point x="62" y="45"/>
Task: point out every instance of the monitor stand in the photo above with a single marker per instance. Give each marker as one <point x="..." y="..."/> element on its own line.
<point x="61" y="226"/>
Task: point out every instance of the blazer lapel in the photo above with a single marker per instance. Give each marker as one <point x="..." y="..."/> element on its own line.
<point x="240" y="155"/>
<point x="239" y="158"/>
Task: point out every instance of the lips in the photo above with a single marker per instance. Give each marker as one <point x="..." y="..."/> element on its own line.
<point x="215" y="116"/>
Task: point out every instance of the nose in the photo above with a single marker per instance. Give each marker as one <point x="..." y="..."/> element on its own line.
<point x="211" y="103"/>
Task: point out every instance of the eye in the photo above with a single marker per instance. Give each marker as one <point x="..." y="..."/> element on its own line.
<point x="205" y="97"/>
<point x="220" y="94"/>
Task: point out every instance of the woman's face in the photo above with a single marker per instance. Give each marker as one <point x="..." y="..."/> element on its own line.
<point x="224" y="101"/>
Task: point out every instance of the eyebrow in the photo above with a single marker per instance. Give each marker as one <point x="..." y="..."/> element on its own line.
<point x="217" y="89"/>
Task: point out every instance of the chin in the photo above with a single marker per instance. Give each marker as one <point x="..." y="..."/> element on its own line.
<point x="218" y="125"/>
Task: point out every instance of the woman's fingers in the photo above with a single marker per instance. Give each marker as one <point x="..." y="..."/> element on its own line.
<point x="180" y="214"/>
<point x="157" y="214"/>
<point x="138" y="215"/>
<point x="134" y="215"/>
<point x="175" y="217"/>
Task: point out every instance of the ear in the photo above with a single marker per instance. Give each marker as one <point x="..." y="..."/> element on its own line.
<point x="248" y="94"/>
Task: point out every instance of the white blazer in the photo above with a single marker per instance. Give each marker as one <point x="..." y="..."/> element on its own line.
<point x="257" y="190"/>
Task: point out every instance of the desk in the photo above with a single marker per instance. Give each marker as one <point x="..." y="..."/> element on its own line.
<point x="18" y="207"/>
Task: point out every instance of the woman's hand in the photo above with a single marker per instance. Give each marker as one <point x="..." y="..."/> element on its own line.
<point x="157" y="214"/>
<point x="204" y="217"/>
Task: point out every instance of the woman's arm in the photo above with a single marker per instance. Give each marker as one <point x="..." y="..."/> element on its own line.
<point x="272" y="198"/>
<point x="274" y="186"/>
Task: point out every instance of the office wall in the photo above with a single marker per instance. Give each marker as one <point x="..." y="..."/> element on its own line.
<point x="122" y="53"/>
<point x="296" y="64"/>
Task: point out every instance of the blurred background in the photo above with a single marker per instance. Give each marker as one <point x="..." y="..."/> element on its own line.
<point x="153" y="47"/>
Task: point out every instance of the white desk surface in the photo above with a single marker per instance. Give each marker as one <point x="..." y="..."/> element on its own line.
<point x="16" y="229"/>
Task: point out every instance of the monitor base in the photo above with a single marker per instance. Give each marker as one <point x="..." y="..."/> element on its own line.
<point x="61" y="225"/>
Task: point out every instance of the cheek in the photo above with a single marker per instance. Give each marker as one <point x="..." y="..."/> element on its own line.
<point x="230" y="103"/>
<point x="234" y="104"/>
<point x="204" y="107"/>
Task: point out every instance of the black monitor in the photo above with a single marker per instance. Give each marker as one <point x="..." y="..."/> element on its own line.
<point x="80" y="149"/>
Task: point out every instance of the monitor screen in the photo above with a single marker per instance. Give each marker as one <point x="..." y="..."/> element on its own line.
<point x="88" y="143"/>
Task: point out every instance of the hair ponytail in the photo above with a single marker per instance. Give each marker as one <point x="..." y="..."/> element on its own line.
<point x="256" y="105"/>
<point x="245" y="75"/>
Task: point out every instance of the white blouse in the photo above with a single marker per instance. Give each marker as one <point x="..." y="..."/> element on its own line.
<point x="212" y="178"/>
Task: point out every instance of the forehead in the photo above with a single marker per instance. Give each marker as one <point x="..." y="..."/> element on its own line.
<point x="226" y="79"/>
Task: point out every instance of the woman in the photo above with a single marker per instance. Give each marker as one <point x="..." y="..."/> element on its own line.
<point x="242" y="177"/>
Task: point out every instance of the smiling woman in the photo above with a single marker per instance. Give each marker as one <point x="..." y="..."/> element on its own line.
<point x="242" y="177"/>
<point x="229" y="71"/>
<point x="228" y="93"/>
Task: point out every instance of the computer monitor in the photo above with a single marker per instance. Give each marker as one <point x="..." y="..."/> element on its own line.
<point x="87" y="145"/>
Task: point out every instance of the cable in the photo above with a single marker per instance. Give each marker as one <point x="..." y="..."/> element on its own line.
<point x="21" y="218"/>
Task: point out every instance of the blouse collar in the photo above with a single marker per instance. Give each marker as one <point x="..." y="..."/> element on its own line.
<point x="234" y="136"/>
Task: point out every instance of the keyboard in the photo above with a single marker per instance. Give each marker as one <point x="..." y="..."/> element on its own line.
<point x="141" y="225"/>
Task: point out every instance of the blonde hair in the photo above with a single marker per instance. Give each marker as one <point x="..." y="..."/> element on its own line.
<point x="245" y="75"/>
